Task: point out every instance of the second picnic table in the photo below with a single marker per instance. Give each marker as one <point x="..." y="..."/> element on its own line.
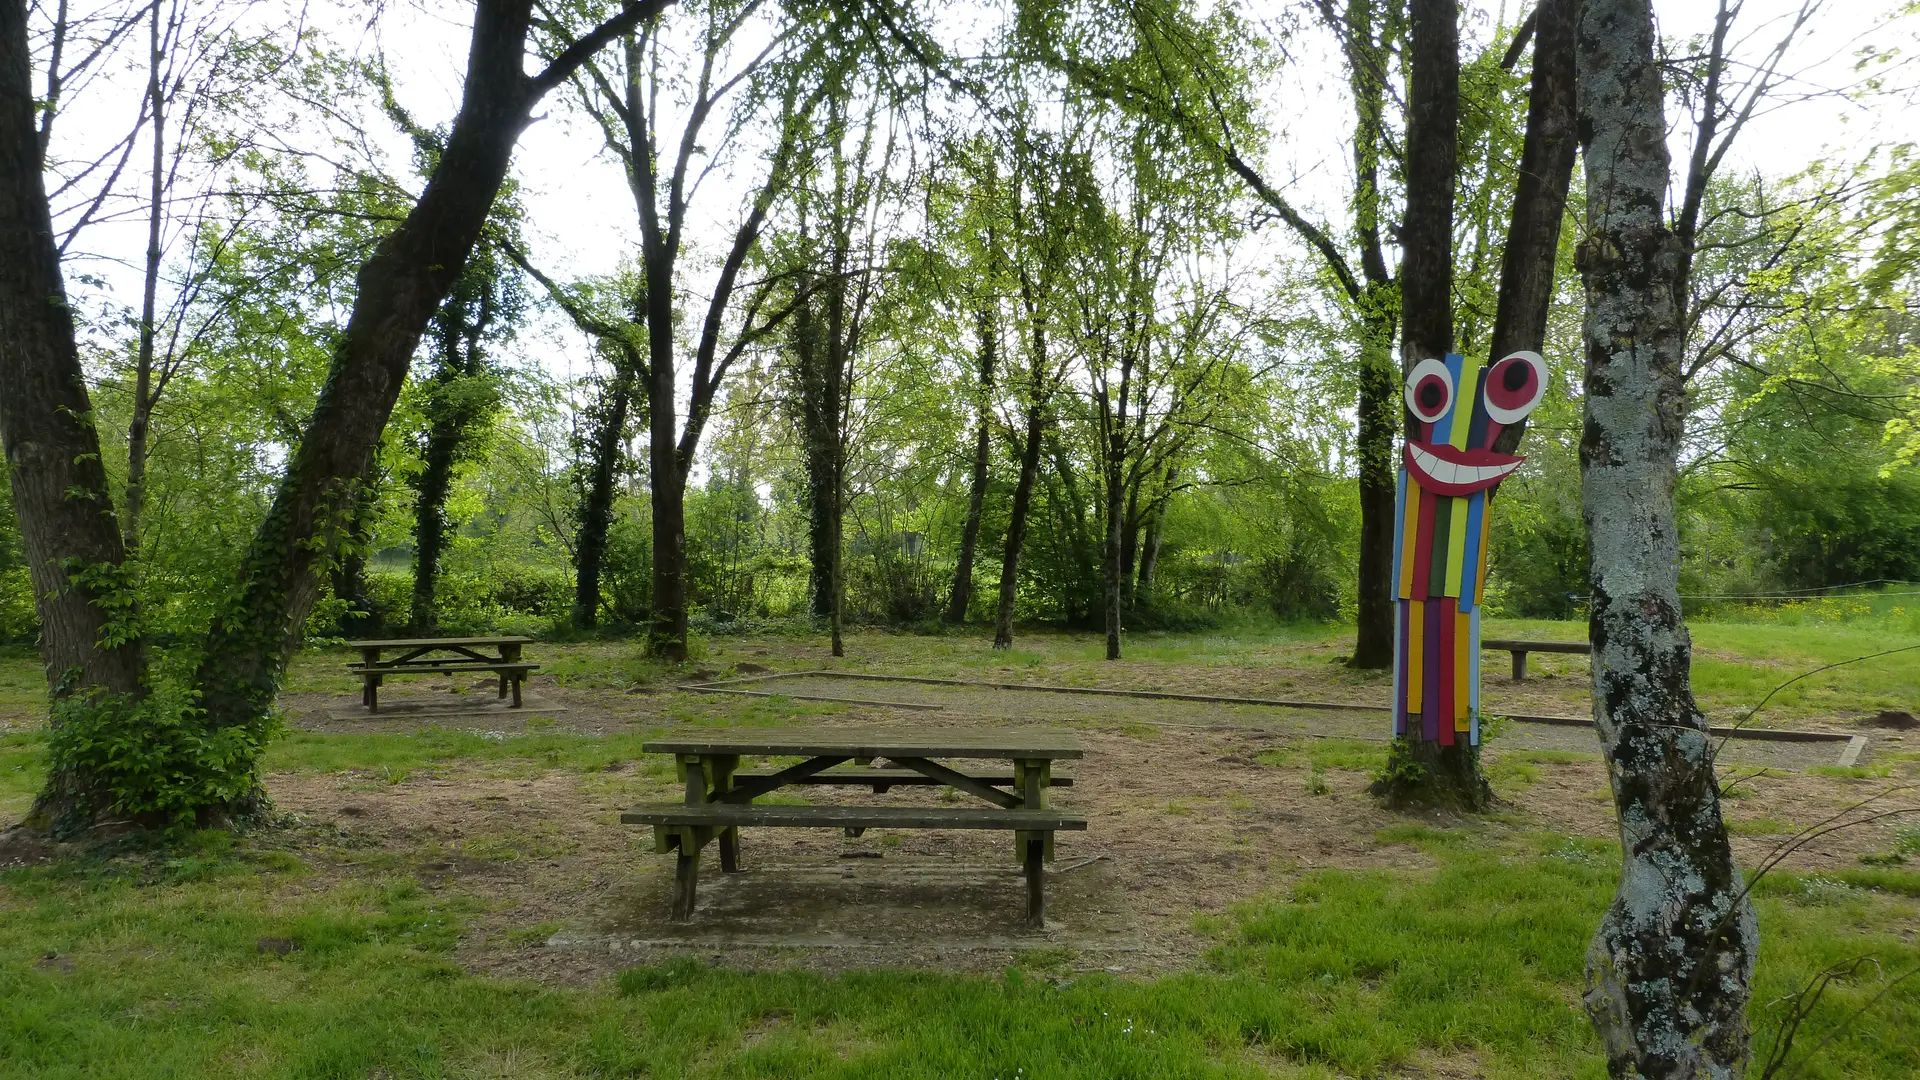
<point x="500" y="655"/>
<point x="719" y="796"/>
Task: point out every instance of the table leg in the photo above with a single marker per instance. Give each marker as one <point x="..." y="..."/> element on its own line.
<point x="721" y="768"/>
<point x="517" y="676"/>
<point x="686" y="878"/>
<point x="1036" y="886"/>
<point x="510" y="654"/>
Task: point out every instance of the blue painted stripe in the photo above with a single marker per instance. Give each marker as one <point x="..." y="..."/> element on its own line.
<point x="1470" y="558"/>
<point x="1399" y="523"/>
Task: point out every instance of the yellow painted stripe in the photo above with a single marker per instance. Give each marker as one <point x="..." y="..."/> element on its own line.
<point x="1463" y="403"/>
<point x="1416" y="655"/>
<point x="1462" y="666"/>
<point x="1409" y="536"/>
<point x="1456" y="547"/>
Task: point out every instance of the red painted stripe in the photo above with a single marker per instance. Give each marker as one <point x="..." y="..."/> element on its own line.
<point x="1430" y="708"/>
<point x="1494" y="428"/>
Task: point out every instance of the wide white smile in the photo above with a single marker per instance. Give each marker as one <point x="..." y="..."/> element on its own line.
<point x="1476" y="470"/>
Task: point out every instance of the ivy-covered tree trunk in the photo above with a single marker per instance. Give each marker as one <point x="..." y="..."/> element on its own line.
<point x="1670" y="970"/>
<point x="363" y="616"/>
<point x="460" y="400"/>
<point x="398" y="289"/>
<point x="68" y="532"/>
<point x="961" y="597"/>
<point x="595" y="515"/>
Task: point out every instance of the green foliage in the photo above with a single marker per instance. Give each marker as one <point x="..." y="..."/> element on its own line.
<point x="152" y="758"/>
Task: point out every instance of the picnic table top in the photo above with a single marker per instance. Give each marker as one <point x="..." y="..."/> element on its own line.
<point x="419" y="643"/>
<point x="874" y="742"/>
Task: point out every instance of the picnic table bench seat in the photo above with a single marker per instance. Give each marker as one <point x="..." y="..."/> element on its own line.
<point x="1520" y="649"/>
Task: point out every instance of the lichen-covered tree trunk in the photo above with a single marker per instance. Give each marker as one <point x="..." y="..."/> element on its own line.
<point x="71" y="540"/>
<point x="1670" y="970"/>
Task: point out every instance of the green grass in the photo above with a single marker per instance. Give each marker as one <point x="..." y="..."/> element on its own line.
<point x="1348" y="974"/>
<point x="1338" y="974"/>
<point x="1737" y="663"/>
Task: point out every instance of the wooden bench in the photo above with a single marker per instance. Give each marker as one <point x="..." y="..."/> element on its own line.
<point x="1520" y="649"/>
<point x="502" y="659"/>
<point x="719" y="795"/>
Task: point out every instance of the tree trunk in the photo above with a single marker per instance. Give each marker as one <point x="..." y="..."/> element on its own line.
<point x="71" y="541"/>
<point x="1446" y="772"/>
<point x="596" y="503"/>
<point x="1114" y="556"/>
<point x="1072" y="512"/>
<point x="398" y="289"/>
<point x="962" y="595"/>
<point x="1370" y="39"/>
<point x="819" y="412"/>
<point x="139" y="422"/>
<point x="1670" y="970"/>
<point x="1150" y="544"/>
<point x="1379" y="422"/>
<point x="1540" y="199"/>
<point x="667" y="636"/>
<point x="1017" y="524"/>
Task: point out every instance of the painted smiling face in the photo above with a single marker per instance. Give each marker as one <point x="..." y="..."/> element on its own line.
<point x="1449" y="452"/>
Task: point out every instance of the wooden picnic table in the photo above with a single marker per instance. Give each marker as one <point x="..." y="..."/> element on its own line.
<point x="500" y="655"/>
<point x="719" y="795"/>
<point x="1520" y="649"/>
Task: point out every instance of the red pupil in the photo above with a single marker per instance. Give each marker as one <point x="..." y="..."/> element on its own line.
<point x="1432" y="395"/>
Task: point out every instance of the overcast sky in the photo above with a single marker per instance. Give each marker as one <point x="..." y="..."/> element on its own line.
<point x="580" y="217"/>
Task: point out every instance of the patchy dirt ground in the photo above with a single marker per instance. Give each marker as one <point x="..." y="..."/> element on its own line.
<point x="1185" y="821"/>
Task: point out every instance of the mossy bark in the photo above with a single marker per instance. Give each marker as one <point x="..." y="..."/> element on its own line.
<point x="1422" y="774"/>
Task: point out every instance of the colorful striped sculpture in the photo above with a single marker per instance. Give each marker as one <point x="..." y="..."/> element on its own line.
<point x="1447" y="470"/>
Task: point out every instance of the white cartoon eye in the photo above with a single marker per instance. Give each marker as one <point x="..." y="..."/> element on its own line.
<point x="1430" y="390"/>
<point x="1514" y="386"/>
